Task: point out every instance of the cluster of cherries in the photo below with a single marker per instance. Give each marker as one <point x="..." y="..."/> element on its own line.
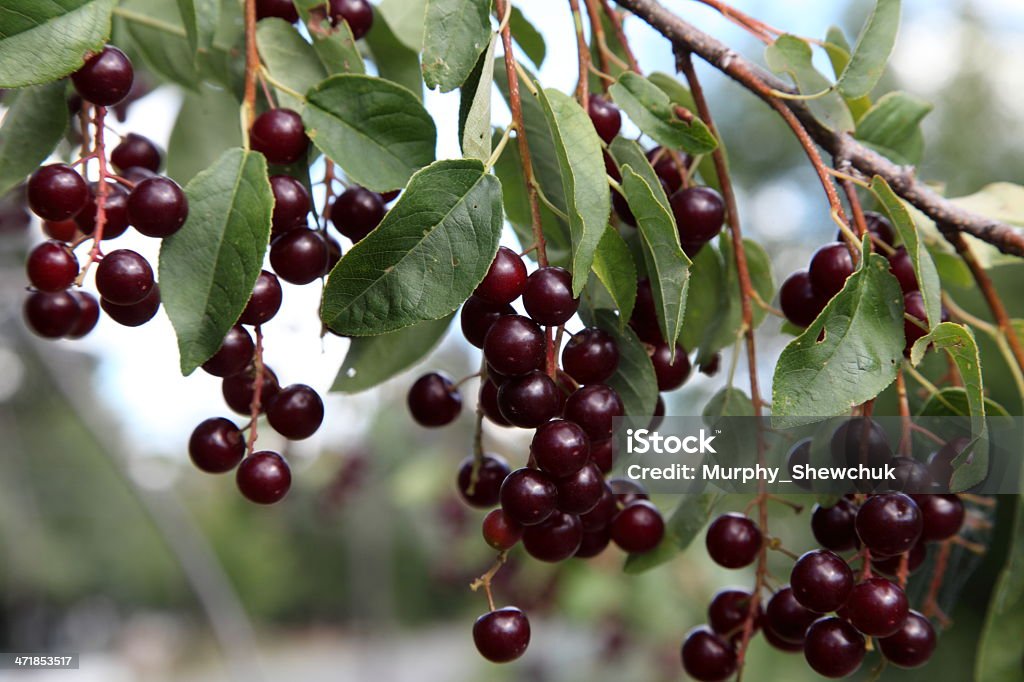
<point x="357" y="13"/>
<point x="827" y="611"/>
<point x="805" y="293"/>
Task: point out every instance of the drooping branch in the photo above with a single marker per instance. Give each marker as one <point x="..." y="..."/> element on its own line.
<point x="902" y="179"/>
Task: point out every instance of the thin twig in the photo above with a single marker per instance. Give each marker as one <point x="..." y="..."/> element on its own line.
<point x="583" y="55"/>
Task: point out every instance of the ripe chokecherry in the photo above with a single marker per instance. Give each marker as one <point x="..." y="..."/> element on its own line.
<point x="529" y="496"/>
<point x="291" y="203"/>
<point x="912" y="645"/>
<point x="280" y="9"/>
<point x="136" y="151"/>
<point x="296" y="412"/>
<point x="830" y="266"/>
<point x="234" y="354"/>
<point x="157" y="207"/>
<point x="890" y="566"/>
<point x="265" y="300"/>
<point x="821" y="580"/>
<point x="670" y="374"/>
<point x="940" y="462"/>
<point x="357" y="13"/>
<point x="594" y="408"/>
<point x="591" y="356"/>
<point x="860" y="440"/>
<point x="707" y="657"/>
<point x="477" y="316"/>
<point x="238" y="390"/>
<point x="136" y="314"/>
<point x="514" y="345"/>
<point x="699" y="212"/>
<point x="264" y="477"/>
<point x="644" y="319"/>
<point x="279" y="135"/>
<point x="600" y="517"/>
<point x="733" y="540"/>
<point x="833" y="647"/>
<point x="942" y="516"/>
<point x="484" y="491"/>
<point x="560" y="448"/>
<point x="593" y="543"/>
<point x="666" y="168"/>
<point x="910" y="476"/>
<point x="602" y="455"/>
<point x="299" y="256"/>
<point x="502" y="635"/>
<point x="106" y="77"/>
<point x="51" y="267"/>
<point x="530" y="400"/>
<point x="877" y="607"/>
<point x="548" y="296"/>
<point x="833" y="526"/>
<point x="878" y="226"/>
<point x="787" y="618"/>
<point x="500" y="531"/>
<point x="581" y="491"/>
<point x="903" y="269"/>
<point x="216" y="446"/>
<point x="889" y="524"/>
<point x="728" y="611"/>
<point x="88" y="314"/>
<point x="356" y="212"/>
<point x="505" y="280"/>
<point x="605" y="116"/>
<point x="57" y="192"/>
<point x="554" y="539"/>
<point x="638" y="527"/>
<point x="489" y="403"/>
<point x="124" y="277"/>
<point x="799" y="300"/>
<point x="61" y="230"/>
<point x="115" y="209"/>
<point x="913" y="304"/>
<point x="434" y="400"/>
<point x="51" y="315"/>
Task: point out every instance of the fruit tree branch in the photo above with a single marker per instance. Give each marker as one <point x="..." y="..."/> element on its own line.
<point x="902" y="179"/>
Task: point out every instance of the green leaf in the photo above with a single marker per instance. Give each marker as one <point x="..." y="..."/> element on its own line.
<point x="584" y="182"/>
<point x="372" y="360"/>
<point x="893" y="125"/>
<point x="729" y="402"/>
<point x="1002" y="648"/>
<point x="682" y="527"/>
<point x="954" y="402"/>
<point x="377" y="131"/>
<point x="874" y="45"/>
<point x="681" y="95"/>
<point x="200" y="18"/>
<point x="43" y="41"/>
<point x="614" y="266"/>
<point x="208" y="268"/>
<point x="34" y="124"/>
<point x="406" y="19"/>
<point x="634" y="380"/>
<point x="529" y="39"/>
<point x="426" y="257"/>
<point x="958" y="341"/>
<point x="475" y="107"/>
<point x="858" y="356"/>
<point x="704" y="300"/>
<point x="395" y="61"/>
<point x="289" y="58"/>
<point x="838" y="50"/>
<point x="159" y="36"/>
<point x="793" y="56"/>
<point x="334" y="45"/>
<point x="924" y="266"/>
<point x="454" y="34"/>
<point x="668" y="268"/>
<point x="206" y="127"/>
<point x="651" y="109"/>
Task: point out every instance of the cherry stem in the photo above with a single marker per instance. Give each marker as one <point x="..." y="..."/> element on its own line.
<point x="583" y="55"/>
<point x="904" y="408"/>
<point x="252" y="68"/>
<point x="484" y="580"/>
<point x="597" y="31"/>
<point x="931" y="603"/>
<point x="755" y="27"/>
<point x="478" y="437"/>
<point x="257" y="390"/>
<point x="99" y="152"/>
<point x="615" y="19"/>
<point x="903" y="572"/>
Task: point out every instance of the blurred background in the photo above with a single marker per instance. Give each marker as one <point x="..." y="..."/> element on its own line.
<point x="113" y="546"/>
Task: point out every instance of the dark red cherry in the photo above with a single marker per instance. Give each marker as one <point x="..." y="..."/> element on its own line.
<point x="296" y="412"/>
<point x="234" y="354"/>
<point x="833" y="526"/>
<point x="903" y="268"/>
<point x="707" y="657"/>
<point x="638" y="528"/>
<point x="124" y="277"/>
<point x="291" y="202"/>
<point x="51" y="266"/>
<point x="136" y="151"/>
<point x="942" y="516"/>
<point x="505" y="280"/>
<point x="787" y="617"/>
<point x="279" y="135"/>
<point x="733" y="540"/>
<point x="238" y="390"/>
<point x="281" y="9"/>
<point x="644" y="319"/>
<point x="477" y="316"/>
<point x="434" y="400"/>
<point x="530" y="400"/>
<point x="560" y="448"/>
<point x="799" y="300"/>
<point x="106" y="77"/>
<point x="136" y="314"/>
<point x="57" y="192"/>
<point x="51" y="315"/>
<point x="264" y="477"/>
<point x="581" y="491"/>
<point x="489" y="403"/>
<point x="115" y="211"/>
<point x="216" y="446"/>
<point x="860" y="441"/>
<point x="671" y="374"/>
<point x="699" y="213"/>
<point x="940" y="462"/>
<point x="605" y="116"/>
<point x="889" y="523"/>
<point x="548" y="296"/>
<point x="264" y="302"/>
<point x="890" y="566"/>
<point x="61" y="230"/>
<point x="591" y="356"/>
<point x="502" y="635"/>
<point x="600" y="517"/>
<point x="514" y="345"/>
<point x="912" y="645"/>
<point x="299" y="256"/>
<point x="555" y="539"/>
<point x="877" y="607"/>
<point x="821" y="580"/>
<point x="594" y="408"/>
<point x="833" y="648"/>
<point x="484" y="491"/>
<point x="665" y="166"/>
<point x="157" y="207"/>
<point x="500" y="531"/>
<point x="529" y="496"/>
<point x="356" y="212"/>
<point x="88" y="314"/>
<point x="830" y="266"/>
<point x="593" y="543"/>
<point x="357" y="13"/>
<point x="728" y="612"/>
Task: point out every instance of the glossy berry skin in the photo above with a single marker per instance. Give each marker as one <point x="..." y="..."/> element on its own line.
<point x="833" y="526"/>
<point x="670" y="374"/>
<point x="356" y="212"/>
<point x="514" y="345"/>
<point x="264" y="302"/>
<point x="600" y="517"/>
<point x="591" y="356"/>
<point x="707" y="657"/>
<point x="264" y="477"/>
<point x="910" y="476"/>
<point x="62" y="230"/>
<point x="638" y="528"/>
<point x="800" y="302"/>
<point x="555" y="539"/>
<point x="492" y="473"/>
<point x="942" y="516"/>
<point x="913" y="304"/>
<point x="833" y="648"/>
<point x="529" y="496"/>
<point x="860" y="440"/>
<point x="136" y="314"/>
<point x="115" y="208"/>
<point x="358" y="14"/>
<point x="299" y="256"/>
<point x="489" y="403"/>
<point x="912" y="645"/>
<point x="889" y="524"/>
<point x="505" y="280"/>
<point x="239" y="394"/>
<point x="593" y="543"/>
<point x="500" y="531"/>
<point x="594" y="408"/>
<point x="51" y="315"/>
<point x="548" y="296"/>
<point x="136" y="151"/>
<point x="560" y="448"/>
<point x="157" y="207"/>
<point x="903" y="268"/>
<point x="279" y="135"/>
<point x="890" y="566"/>
<point x="733" y="540"/>
<point x="57" y="192"/>
<point x="699" y="212"/>
<point x="88" y="314"/>
<point x="124" y="277"/>
<point x="601" y="454"/>
<point x="51" y="266"/>
<point x="106" y="78"/>
<point x="728" y="612"/>
<point x="296" y="412"/>
<point x="477" y="316"/>
<point x="502" y="635"/>
<point x="233" y="356"/>
<point x="821" y="580"/>
<point x="605" y="116"/>
<point x="530" y="400"/>
<point x="216" y="446"/>
<point x="668" y="171"/>
<point x="877" y="607"/>
<point x="434" y="400"/>
<point x="777" y="642"/>
<point x="788" y="618"/>
<point x="581" y="491"/>
<point x="281" y="9"/>
<point x="291" y="203"/>
<point x="830" y="266"/>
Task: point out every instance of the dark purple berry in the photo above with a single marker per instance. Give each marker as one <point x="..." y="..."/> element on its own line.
<point x="877" y="607"/>
<point x="299" y="256"/>
<point x="51" y="267"/>
<point x="821" y="580"/>
<point x="500" y="531"/>
<point x="670" y="374"/>
<point x="296" y="412"/>
<point x="833" y="648"/>
<point x="357" y="13"/>
<point x="264" y="302"/>
<point x="57" y="192"/>
<point x="106" y="77"/>
<point x="830" y="266"/>
<point x="699" y="212"/>
<point x="530" y="400"/>
<point x="157" y="207"/>
<point x="594" y="408"/>
<point x="529" y="496"/>
<point x="591" y="356"/>
<point x="279" y="135"/>
<point x="356" y="212"/>
<point x="560" y="448"/>
<point x="434" y="400"/>
<point x="216" y="446"/>
<point x="264" y="477"/>
<point x="889" y="524"/>
<point x="502" y="635"/>
<point x="484" y="491"/>
<point x="799" y="300"/>
<point x="548" y="296"/>
<point x="581" y="491"/>
<point x="234" y="354"/>
<point x="239" y="390"/>
<point x="942" y="516"/>
<point x="733" y="540"/>
<point x="605" y="116"/>
<point x="707" y="657"/>
<point x="833" y="526"/>
<point x="291" y="203"/>
<point x="903" y="269"/>
<point x="514" y="345"/>
<point x="505" y="280"/>
<point x="280" y="9"/>
<point x="638" y="528"/>
<point x="477" y="316"/>
<point x="787" y="618"/>
<point x="136" y="151"/>
<point x="88" y="314"/>
<point x="912" y="645"/>
<point x="555" y="539"/>
<point x="124" y="277"/>
<point x="136" y="314"/>
<point x="51" y="315"/>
